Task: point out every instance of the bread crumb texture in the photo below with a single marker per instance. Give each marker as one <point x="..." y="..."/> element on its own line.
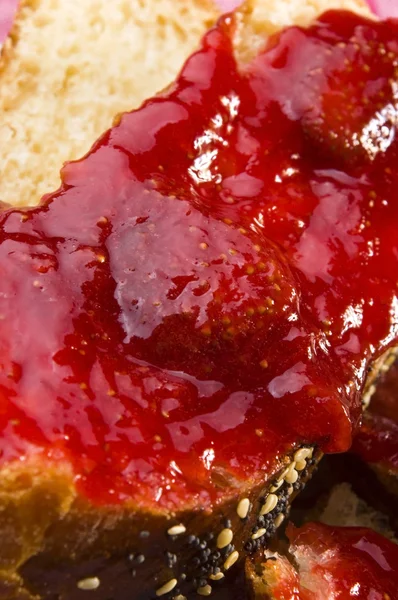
<point x="277" y="14"/>
<point x="265" y="17"/>
<point x="69" y="67"/>
<point x="345" y="509"/>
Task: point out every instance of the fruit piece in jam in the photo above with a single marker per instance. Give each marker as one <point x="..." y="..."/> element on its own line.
<point x="332" y="562"/>
<point x="376" y="441"/>
<point x="210" y="283"/>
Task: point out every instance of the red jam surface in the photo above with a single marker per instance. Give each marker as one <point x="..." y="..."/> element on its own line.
<point x="339" y="563"/>
<point x="211" y="282"/>
<point x="376" y="441"/>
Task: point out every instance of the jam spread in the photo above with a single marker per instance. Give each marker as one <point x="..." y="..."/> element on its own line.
<point x="336" y="562"/>
<point x="211" y="282"/>
<point x="376" y="441"/>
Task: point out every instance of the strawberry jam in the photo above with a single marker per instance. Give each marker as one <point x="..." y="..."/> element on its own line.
<point x="344" y="563"/>
<point x="211" y="282"/>
<point x="376" y="441"/>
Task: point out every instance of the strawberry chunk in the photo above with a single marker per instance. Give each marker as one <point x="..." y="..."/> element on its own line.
<point x="330" y="563"/>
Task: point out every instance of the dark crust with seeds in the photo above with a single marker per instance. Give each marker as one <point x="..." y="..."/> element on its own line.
<point x="130" y="552"/>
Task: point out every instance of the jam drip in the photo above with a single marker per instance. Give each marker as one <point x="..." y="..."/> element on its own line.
<point x="211" y="282"/>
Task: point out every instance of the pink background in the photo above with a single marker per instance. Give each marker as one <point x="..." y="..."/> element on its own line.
<point x="384" y="8"/>
<point x="7" y="10"/>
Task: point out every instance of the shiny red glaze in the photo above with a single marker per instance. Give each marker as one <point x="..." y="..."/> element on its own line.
<point x="210" y="283"/>
<point x="377" y="441"/>
<point x="384" y="401"/>
<point x="343" y="563"/>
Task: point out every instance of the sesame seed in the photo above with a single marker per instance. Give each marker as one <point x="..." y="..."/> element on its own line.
<point x="292" y="475"/>
<point x="279" y="519"/>
<point x="283" y="475"/>
<point x="243" y="508"/>
<point x="177" y="529"/>
<point x="302" y="454"/>
<point x="259" y="533"/>
<point x="224" y="538"/>
<point x="91" y="583"/>
<point x="300" y="465"/>
<point x="166" y="588"/>
<point x="231" y="560"/>
<point x="180" y="597"/>
<point x="270" y="503"/>
<point x="217" y="576"/>
<point x="205" y="590"/>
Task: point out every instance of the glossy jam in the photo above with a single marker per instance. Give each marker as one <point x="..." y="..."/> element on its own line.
<point x="341" y="563"/>
<point x="211" y="282"/>
<point x="376" y="441"/>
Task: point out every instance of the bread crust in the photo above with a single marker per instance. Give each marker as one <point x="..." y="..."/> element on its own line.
<point x="54" y="539"/>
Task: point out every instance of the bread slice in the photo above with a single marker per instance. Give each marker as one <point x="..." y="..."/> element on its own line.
<point x="68" y="67"/>
<point x="74" y="548"/>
